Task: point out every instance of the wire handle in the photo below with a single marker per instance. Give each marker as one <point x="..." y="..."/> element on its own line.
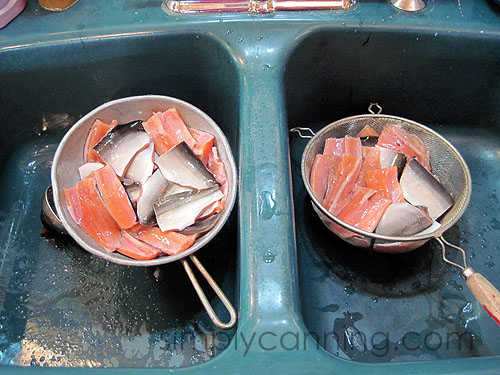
<point x="484" y="292"/>
<point x="378" y="109"/>
<point x="299" y="130"/>
<point x="203" y="298"/>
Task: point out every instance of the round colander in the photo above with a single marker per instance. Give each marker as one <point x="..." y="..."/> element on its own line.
<point x="447" y="165"/>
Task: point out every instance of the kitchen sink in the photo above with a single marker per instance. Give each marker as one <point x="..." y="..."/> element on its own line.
<point x="307" y="302"/>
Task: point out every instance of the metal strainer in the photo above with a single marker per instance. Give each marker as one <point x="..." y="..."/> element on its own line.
<point x="447" y="164"/>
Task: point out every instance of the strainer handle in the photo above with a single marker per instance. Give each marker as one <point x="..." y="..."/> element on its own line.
<point x="203" y="298"/>
<point x="486" y="294"/>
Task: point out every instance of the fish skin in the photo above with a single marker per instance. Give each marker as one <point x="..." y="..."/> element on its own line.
<point x="120" y="145"/>
<point x="96" y="133"/>
<point x="142" y="165"/>
<point x="421" y="188"/>
<point x="86" y="169"/>
<point x="403" y="219"/>
<point x="151" y="191"/>
<point x="181" y="210"/>
<point x="181" y="166"/>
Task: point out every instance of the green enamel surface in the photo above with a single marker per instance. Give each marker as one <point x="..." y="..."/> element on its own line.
<point x="256" y="76"/>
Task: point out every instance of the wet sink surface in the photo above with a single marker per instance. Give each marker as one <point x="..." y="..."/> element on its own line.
<point x="61" y="306"/>
<point x="257" y="76"/>
<point x="355" y="303"/>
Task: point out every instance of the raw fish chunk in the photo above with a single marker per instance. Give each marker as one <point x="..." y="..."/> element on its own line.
<point x="88" y="210"/>
<point x="403" y="219"/>
<point x="421" y="188"/>
<point x="181" y="166"/>
<point x="385" y="181"/>
<point x="365" y="213"/>
<point x="175" y="128"/>
<point x="137" y="249"/>
<point x="322" y="167"/>
<point x="395" y="138"/>
<point x="86" y="169"/>
<point x="371" y="160"/>
<point x="334" y="147"/>
<point x="353" y="146"/>
<point x="204" y="143"/>
<point x="341" y="183"/>
<point x="121" y="144"/>
<point x="170" y="243"/>
<point x="154" y="128"/>
<point x="115" y="197"/>
<point x="142" y="165"/>
<point x="97" y="132"/>
<point x="178" y="211"/>
<point x="216" y="167"/>
<point x="367" y="131"/>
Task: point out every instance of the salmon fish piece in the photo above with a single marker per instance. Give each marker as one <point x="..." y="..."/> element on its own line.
<point x="395" y="138"/>
<point x="366" y="209"/>
<point x="175" y="128"/>
<point x="97" y="132"/>
<point x="170" y="243"/>
<point x="88" y="210"/>
<point x="367" y="131"/>
<point x="334" y="147"/>
<point x="115" y="197"/>
<point x="341" y="183"/>
<point x="385" y="181"/>
<point x="154" y="128"/>
<point x="204" y="143"/>
<point x="323" y="165"/>
<point x="136" y="249"/>
<point x="371" y="160"/>
<point x="353" y="146"/>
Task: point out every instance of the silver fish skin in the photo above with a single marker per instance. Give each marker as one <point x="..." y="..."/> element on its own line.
<point x="202" y="226"/>
<point x="142" y="165"/>
<point x="181" y="166"/>
<point x="389" y="158"/>
<point x="178" y="211"/>
<point x="421" y="188"/>
<point x="86" y="169"/>
<point x="133" y="190"/>
<point x="151" y="191"/>
<point x="119" y="147"/>
<point x="403" y="219"/>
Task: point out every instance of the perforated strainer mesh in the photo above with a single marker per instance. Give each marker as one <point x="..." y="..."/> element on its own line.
<point x="447" y="165"/>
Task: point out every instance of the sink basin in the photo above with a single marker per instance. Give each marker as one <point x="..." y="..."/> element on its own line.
<point x="60" y="305"/>
<point x="307" y="302"/>
<point x="367" y="297"/>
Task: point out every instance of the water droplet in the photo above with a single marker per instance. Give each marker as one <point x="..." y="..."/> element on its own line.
<point x="267" y="205"/>
<point x="269" y="256"/>
<point x="259" y="38"/>
<point x="374" y="299"/>
<point x="266" y="67"/>
<point x="349" y="290"/>
<point x="240" y="39"/>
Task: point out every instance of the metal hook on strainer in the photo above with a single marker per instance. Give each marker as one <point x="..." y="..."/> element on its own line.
<point x="449" y="167"/>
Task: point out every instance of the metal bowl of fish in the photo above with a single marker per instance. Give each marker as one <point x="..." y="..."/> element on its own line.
<point x="385" y="183"/>
<point x="133" y="193"/>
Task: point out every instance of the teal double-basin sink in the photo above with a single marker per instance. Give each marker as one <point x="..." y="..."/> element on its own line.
<point x="307" y="302"/>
